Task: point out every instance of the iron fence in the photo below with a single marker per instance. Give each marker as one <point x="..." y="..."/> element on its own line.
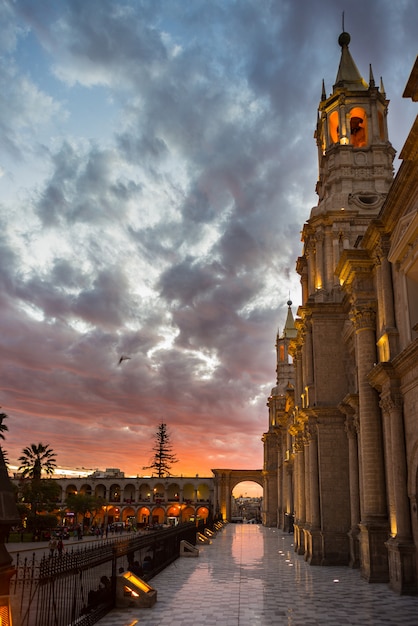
<point x="79" y="587"/>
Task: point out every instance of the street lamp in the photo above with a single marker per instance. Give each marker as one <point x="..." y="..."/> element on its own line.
<point x="106" y="517"/>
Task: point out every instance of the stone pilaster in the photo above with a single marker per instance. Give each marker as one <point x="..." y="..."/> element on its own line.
<point x="313" y="547"/>
<point x="400" y="545"/>
<point x="373" y="526"/>
<point x="334" y="485"/>
<point x="270" y="486"/>
<point x="300" y="503"/>
<point x="350" y="408"/>
<point x="329" y="260"/>
<point x="319" y="273"/>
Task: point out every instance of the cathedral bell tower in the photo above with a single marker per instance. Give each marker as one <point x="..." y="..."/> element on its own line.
<point x="277" y="467"/>
<point x="355" y="161"/>
<point x="355" y="172"/>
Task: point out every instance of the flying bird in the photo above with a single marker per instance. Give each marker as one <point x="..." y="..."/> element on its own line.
<point x="123" y="358"/>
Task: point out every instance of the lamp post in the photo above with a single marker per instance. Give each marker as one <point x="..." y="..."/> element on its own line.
<point x="106" y="520"/>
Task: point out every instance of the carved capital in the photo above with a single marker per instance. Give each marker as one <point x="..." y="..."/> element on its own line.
<point x="310" y="431"/>
<point x="298" y="443"/>
<point x="363" y="317"/>
<point x="391" y="401"/>
<point x="381" y="250"/>
<point x="351" y="426"/>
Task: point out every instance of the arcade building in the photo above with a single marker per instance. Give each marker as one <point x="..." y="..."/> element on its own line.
<point x="137" y="501"/>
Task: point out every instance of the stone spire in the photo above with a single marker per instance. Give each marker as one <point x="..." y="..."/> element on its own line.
<point x="348" y="75"/>
<point x="289" y="331"/>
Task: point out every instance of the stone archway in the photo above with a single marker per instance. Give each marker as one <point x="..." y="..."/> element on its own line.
<point x="225" y="481"/>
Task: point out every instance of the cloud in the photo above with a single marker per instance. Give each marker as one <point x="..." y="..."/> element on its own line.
<point x="158" y="166"/>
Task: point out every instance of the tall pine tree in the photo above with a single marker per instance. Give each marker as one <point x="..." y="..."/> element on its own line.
<point x="163" y="457"/>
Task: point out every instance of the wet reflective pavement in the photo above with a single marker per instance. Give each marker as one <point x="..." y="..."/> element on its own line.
<point x="251" y="576"/>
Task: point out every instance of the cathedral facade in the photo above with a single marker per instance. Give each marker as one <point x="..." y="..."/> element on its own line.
<point x="341" y="452"/>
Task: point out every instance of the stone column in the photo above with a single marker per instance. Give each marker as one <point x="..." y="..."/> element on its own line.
<point x="307" y="493"/>
<point x="280" y="472"/>
<point x="270" y="479"/>
<point x="308" y="373"/>
<point x="346" y="238"/>
<point x="300" y="501"/>
<point x="351" y="426"/>
<point x="299" y="375"/>
<point x="290" y="500"/>
<point x="387" y="290"/>
<point x="343" y="120"/>
<point x="374" y="525"/>
<point x="314" y="556"/>
<point x="329" y="265"/>
<point x="302" y="269"/>
<point x="310" y="255"/>
<point x="319" y="266"/>
<point x="336" y="254"/>
<point x="284" y="482"/>
<point x="227" y="496"/>
<point x="401" y="548"/>
<point x="386" y="322"/>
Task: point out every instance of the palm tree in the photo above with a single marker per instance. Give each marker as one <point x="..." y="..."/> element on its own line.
<point x="36" y="459"/>
<point x="3" y="427"/>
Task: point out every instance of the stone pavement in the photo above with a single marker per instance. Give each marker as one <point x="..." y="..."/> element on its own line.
<point x="251" y="576"/>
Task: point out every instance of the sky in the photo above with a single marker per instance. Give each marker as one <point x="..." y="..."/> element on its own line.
<point x="157" y="164"/>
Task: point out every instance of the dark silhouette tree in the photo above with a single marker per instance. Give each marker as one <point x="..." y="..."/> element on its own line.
<point x="3" y="428"/>
<point x="36" y="459"/>
<point x="39" y="494"/>
<point x="163" y="457"/>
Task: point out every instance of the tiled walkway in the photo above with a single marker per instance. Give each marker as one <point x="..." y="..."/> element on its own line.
<point x="250" y="576"/>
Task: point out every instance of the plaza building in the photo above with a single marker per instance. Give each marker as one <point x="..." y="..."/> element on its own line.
<point x="341" y="452"/>
<point x="140" y="500"/>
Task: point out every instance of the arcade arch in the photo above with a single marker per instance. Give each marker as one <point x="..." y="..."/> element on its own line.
<point x="224" y="483"/>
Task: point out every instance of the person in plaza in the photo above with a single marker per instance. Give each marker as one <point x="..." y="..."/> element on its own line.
<point x="136" y="568"/>
<point x="52" y="545"/>
<point x="60" y="546"/>
<point x="147" y="564"/>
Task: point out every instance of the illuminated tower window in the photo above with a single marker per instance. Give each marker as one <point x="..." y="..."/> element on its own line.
<point x="358" y="127"/>
<point x="334" y="129"/>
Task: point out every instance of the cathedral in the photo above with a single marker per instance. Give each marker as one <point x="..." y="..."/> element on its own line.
<point x="341" y="451"/>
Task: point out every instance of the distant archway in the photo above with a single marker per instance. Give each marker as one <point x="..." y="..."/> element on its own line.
<point x="225" y="481"/>
<point x="128" y="514"/>
<point x="202" y="512"/>
<point x="187" y="513"/>
<point x="143" y="516"/>
<point x="158" y="515"/>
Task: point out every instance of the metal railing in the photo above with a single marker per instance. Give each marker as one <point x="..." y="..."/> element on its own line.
<point x="79" y="587"/>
